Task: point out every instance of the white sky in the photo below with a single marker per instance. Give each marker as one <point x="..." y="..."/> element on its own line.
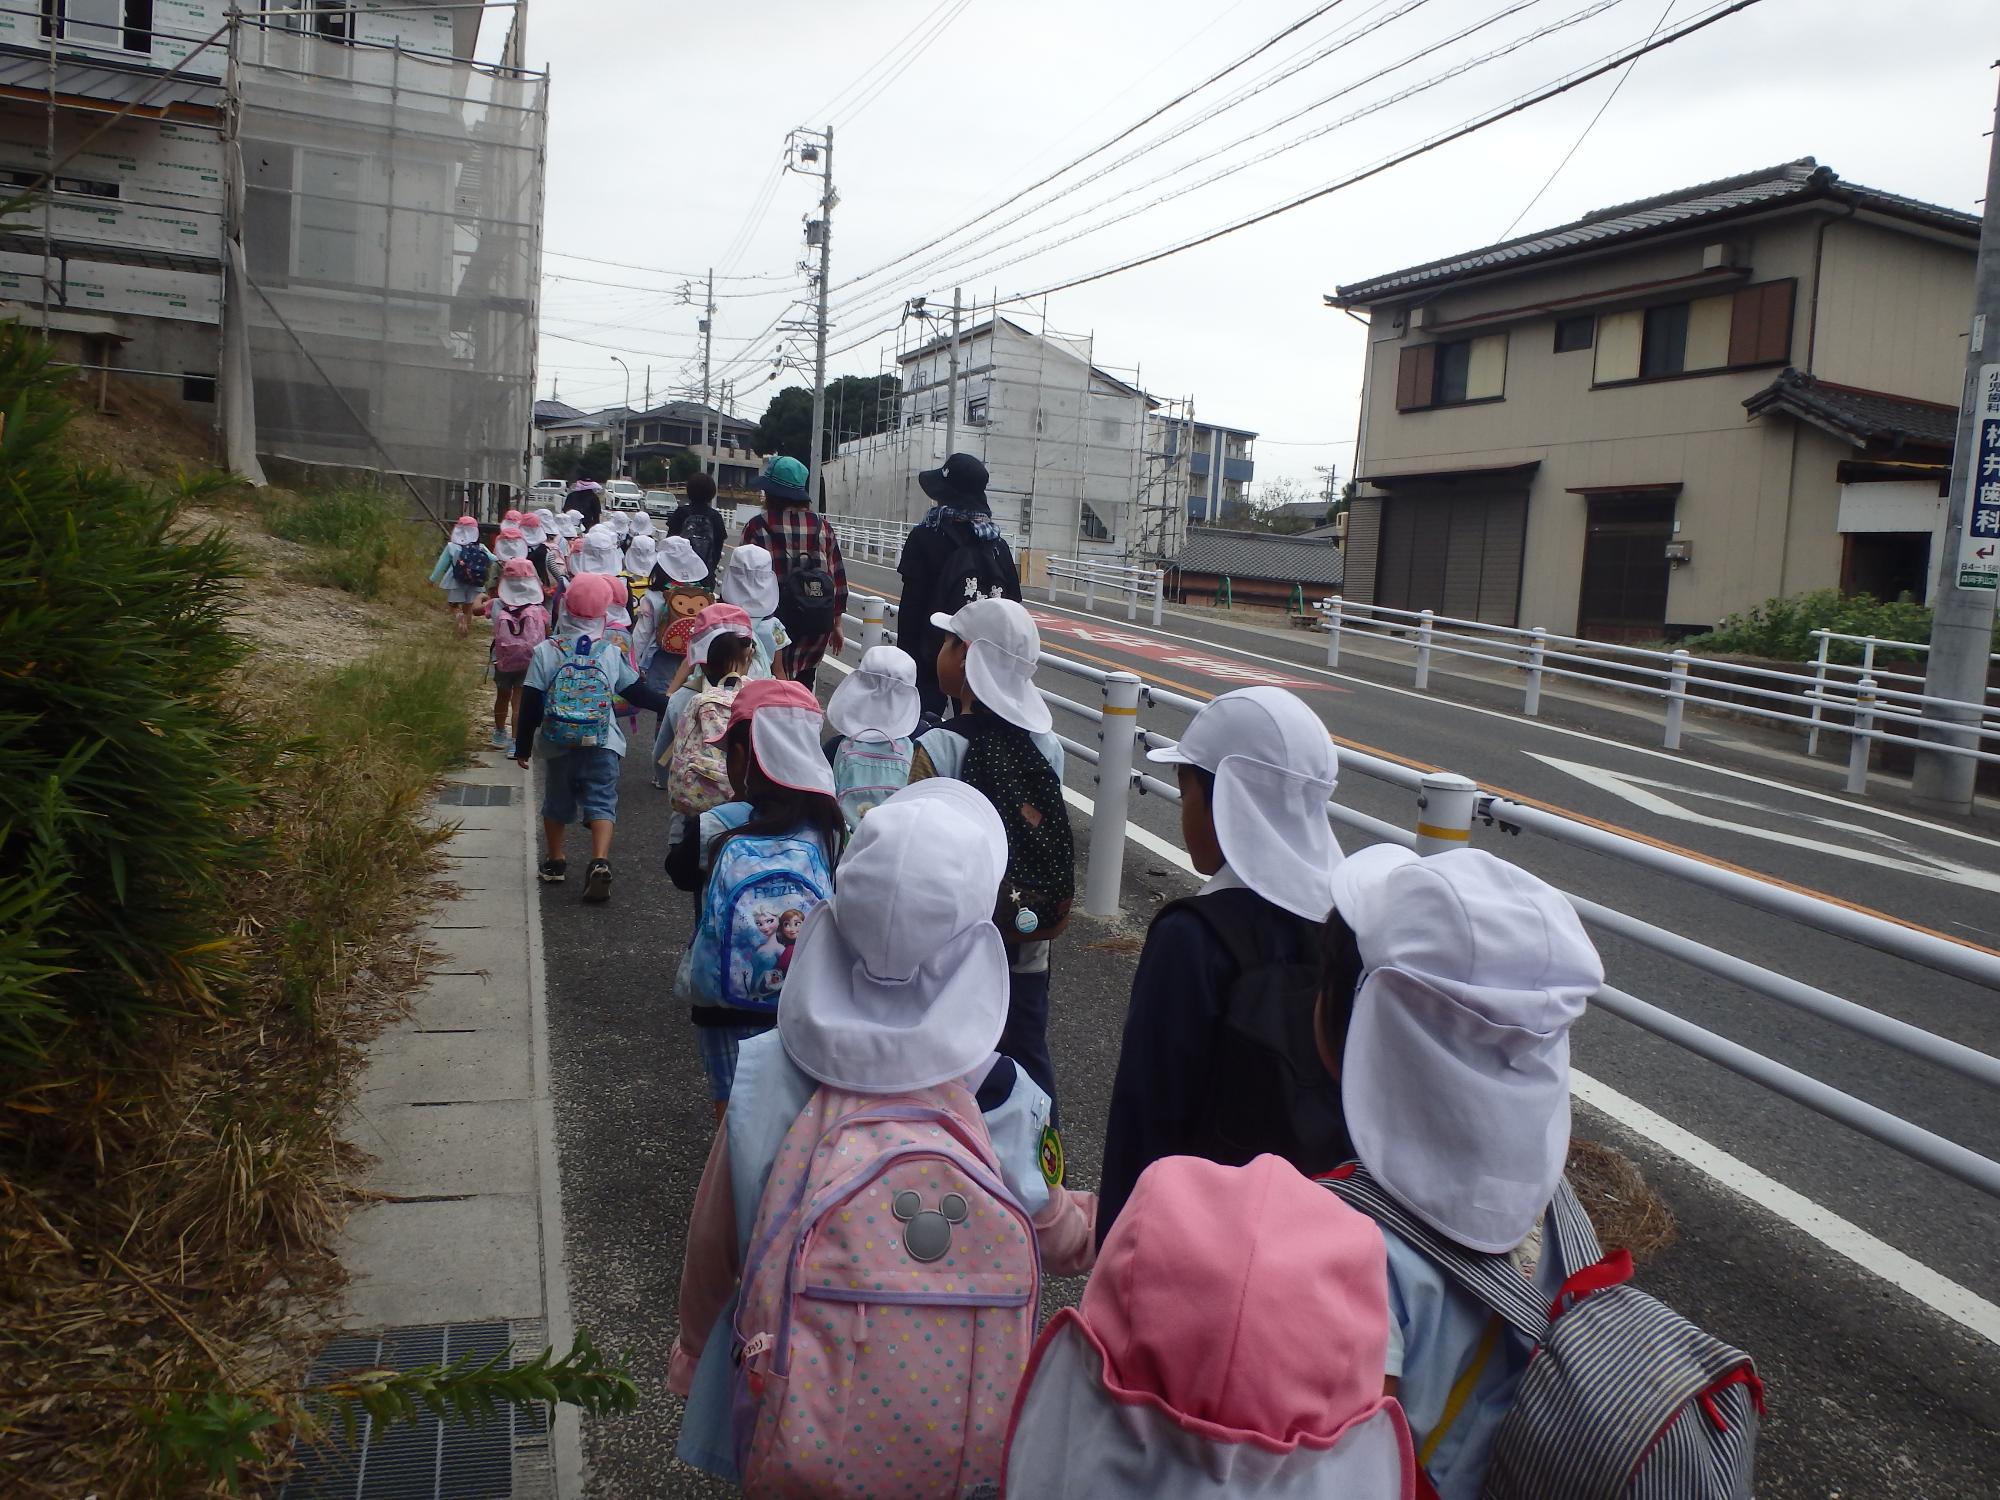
<point x="667" y="118"/>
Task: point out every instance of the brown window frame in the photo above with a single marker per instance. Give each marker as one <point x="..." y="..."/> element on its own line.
<point x="1761" y="318"/>
<point x="1417" y="369"/>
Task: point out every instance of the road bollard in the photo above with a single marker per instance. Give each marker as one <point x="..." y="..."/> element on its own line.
<point x="1332" y="611"/>
<point x="1858" y="741"/>
<point x="1818" y="691"/>
<point x="1116" y="732"/>
<point x="1089" y="586"/>
<point x="1424" y="652"/>
<point x="1531" y="702"/>
<point x="1132" y="598"/>
<point x="871" y="622"/>
<point x="1444" y="812"/>
<point x="1159" y="595"/>
<point x="1677" y="683"/>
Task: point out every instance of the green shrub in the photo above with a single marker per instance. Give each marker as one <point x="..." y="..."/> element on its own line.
<point x="1781" y="629"/>
<point x="357" y="535"/>
<point x="120" y="745"/>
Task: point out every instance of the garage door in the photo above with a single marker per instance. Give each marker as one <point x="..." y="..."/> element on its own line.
<point x="1458" y="555"/>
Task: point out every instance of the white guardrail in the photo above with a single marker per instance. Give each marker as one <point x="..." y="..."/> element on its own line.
<point x="1862" y="703"/>
<point x="1443" y="809"/>
<point x="877" y="541"/>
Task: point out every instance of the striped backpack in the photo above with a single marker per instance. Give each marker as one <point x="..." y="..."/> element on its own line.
<point x="1623" y="1397"/>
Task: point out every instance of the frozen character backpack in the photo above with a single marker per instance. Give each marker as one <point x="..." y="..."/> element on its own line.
<point x="735" y="958"/>
<point x="698" y="770"/>
<point x="888" y="1304"/>
<point x="868" y="771"/>
<point x="469" y="565"/>
<point x="577" y="707"/>
<point x="517" y="630"/>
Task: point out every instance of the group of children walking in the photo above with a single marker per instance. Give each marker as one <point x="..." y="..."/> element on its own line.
<point x="1332" y="1253"/>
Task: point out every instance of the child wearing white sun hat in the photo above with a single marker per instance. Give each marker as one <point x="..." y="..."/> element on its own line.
<point x="896" y="998"/>
<point x="749" y="582"/>
<point x="1223" y="995"/>
<point x="461" y="569"/>
<point x="873" y="713"/>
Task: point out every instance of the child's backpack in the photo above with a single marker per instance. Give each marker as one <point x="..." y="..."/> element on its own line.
<point x="703" y="528"/>
<point x="807" y="593"/>
<point x="517" y="630"/>
<point x="470" y="565"/>
<point x="868" y="772"/>
<point x="971" y="569"/>
<point x="1266" y="1088"/>
<point x="1004" y="763"/>
<point x="736" y="958"/>
<point x="698" y="771"/>
<point x="1624" y="1396"/>
<point x="576" y="712"/>
<point x="888" y="1305"/>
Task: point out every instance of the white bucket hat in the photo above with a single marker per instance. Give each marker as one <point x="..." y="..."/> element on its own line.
<point x="510" y="544"/>
<point x="747" y="580"/>
<point x="567" y="522"/>
<point x="464" y="531"/>
<point x="1455" y="1077"/>
<point x="878" y="699"/>
<point x="640" y="556"/>
<point x="1274" y="770"/>
<point x="600" y="550"/>
<point x="642" y="523"/>
<point x="1003" y="648"/>
<point x="900" y="981"/>
<point x="621" y="523"/>
<point x="548" y="519"/>
<point x="682" y="563"/>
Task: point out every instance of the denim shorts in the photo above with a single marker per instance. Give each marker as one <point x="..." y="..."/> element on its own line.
<point x="581" y="786"/>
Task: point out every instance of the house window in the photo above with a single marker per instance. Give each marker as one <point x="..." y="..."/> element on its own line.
<point x="1731" y="331"/>
<point x="1451" y="374"/>
<point x="1573" y="334"/>
<point x="125" y="24"/>
<point x="1091" y="528"/>
<point x="333" y="19"/>
<point x="1663" y="345"/>
<point x="975" y="412"/>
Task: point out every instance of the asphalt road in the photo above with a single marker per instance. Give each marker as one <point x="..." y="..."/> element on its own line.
<point x="1873" y="1393"/>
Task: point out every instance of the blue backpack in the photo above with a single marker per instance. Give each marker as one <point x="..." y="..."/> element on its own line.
<point x="760" y="892"/>
<point x="867" y="773"/>
<point x="469" y="565"/>
<point x="576" y="713"/>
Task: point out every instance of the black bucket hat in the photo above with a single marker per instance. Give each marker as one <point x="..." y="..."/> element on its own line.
<point x="962" y="481"/>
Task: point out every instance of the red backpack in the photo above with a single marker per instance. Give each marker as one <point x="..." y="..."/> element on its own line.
<point x="517" y="630"/>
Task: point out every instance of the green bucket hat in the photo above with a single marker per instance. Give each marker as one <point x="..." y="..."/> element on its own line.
<point x="783" y="479"/>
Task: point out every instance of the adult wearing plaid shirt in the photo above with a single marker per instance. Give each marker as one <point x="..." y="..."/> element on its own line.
<point x="797" y="538"/>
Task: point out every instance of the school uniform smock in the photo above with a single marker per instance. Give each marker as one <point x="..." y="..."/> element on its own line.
<point x="769" y="1093"/>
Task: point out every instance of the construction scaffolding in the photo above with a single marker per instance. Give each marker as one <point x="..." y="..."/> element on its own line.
<point x="1166" y="481"/>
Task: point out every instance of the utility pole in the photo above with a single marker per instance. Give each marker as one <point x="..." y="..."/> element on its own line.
<point x="709" y="465"/>
<point x="809" y="147"/>
<point x="951" y="415"/>
<point x="646" y="401"/>
<point x="1968" y="571"/>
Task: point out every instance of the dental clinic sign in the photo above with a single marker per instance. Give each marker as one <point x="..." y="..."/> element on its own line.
<point x="1979" y="547"/>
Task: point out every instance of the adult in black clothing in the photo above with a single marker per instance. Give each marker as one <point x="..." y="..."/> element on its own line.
<point x="697" y="519"/>
<point x="587" y="500"/>
<point x="953" y="555"/>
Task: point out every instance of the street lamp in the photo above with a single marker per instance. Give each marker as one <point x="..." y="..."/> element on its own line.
<point x="624" y="412"/>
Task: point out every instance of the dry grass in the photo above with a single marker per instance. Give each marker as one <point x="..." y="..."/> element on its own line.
<point x="1628" y="1214"/>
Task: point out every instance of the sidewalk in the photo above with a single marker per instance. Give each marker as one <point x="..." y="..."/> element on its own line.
<point x="460" y="1247"/>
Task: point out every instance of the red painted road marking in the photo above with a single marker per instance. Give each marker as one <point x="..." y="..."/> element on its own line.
<point x="1215" y="668"/>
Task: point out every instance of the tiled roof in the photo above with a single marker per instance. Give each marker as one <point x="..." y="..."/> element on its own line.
<point x="1864" y="418"/>
<point x="1257" y="554"/>
<point x="1800" y="181"/>
<point x="688" y="411"/>
<point x="1301" y="510"/>
<point x="547" y="410"/>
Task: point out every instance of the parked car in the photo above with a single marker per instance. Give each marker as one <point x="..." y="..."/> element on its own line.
<point x="662" y="502"/>
<point x="623" y="494"/>
<point x="548" y="489"/>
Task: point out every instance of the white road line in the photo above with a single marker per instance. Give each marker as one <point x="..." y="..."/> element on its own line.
<point x="1514" y="718"/>
<point x="1844" y="1238"/>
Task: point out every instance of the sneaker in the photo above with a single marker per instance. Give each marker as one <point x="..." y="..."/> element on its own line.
<point x="502" y="740"/>
<point x="552" y="871"/>
<point x="597" y="881"/>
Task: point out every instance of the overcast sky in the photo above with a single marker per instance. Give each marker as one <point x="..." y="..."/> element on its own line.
<point x="668" y="118"/>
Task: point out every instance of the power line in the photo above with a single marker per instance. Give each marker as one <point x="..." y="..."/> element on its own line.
<point x="664" y="291"/>
<point x="854" y="110"/>
<point x="626" y="265"/>
<point x="825" y="111"/>
<point x="1578" y="142"/>
<point x="1126" y="133"/>
<point x="1478" y="123"/>
<point x="753" y="221"/>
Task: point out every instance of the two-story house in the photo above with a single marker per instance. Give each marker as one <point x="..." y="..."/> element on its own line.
<point x="1668" y="411"/>
<point x="676" y="427"/>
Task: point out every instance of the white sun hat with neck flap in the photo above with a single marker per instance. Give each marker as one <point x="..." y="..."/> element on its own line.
<point x="680" y="561"/>
<point x="900" y="981"/>
<point x="640" y="556"/>
<point x="1003" y="648"/>
<point x="878" y="699"/>
<point x="749" y="582"/>
<point x="464" y="531"/>
<point x="600" y="550"/>
<point x="1455" y="1077"/>
<point x="1274" y="770"/>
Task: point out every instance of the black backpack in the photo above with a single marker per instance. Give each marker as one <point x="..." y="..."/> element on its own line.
<point x="806" y="593"/>
<point x="702" y="529"/>
<point x="1003" y="763"/>
<point x="971" y="569"/>
<point x="1267" y="1089"/>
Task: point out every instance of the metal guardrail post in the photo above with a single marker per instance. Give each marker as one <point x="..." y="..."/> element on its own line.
<point x="871" y="623"/>
<point x="1858" y="740"/>
<point x="1819" y="690"/>
<point x="1116" y="732"/>
<point x="1159" y="595"/>
<point x="1677" y="682"/>
<point x="1424" y="651"/>
<point x="1132" y="599"/>
<point x="1531" y="701"/>
<point x="1089" y="586"/>
<point x="1444" y="812"/>
<point x="1333" y="631"/>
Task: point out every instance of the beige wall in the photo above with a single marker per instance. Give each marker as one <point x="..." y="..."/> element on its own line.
<point x="1892" y="312"/>
<point x="1759" y="501"/>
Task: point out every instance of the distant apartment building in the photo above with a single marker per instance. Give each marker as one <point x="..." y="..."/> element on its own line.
<point x="1062" y="437"/>
<point x="318" y="226"/>
<point x="1208" y="484"/>
<point x="1635" y="424"/>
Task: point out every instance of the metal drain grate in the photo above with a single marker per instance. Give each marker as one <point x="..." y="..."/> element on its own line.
<point x="476" y="794"/>
<point x="506" y="1459"/>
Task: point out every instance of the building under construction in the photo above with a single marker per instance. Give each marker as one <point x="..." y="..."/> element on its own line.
<point x="319" y="227"/>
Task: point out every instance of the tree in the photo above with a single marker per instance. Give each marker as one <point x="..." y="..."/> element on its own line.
<point x="1271" y="495"/>
<point x="596" y="462"/>
<point x="857" y="406"/>
<point x="683" y="466"/>
<point x="652" y="472"/>
<point x="786" y="426"/>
